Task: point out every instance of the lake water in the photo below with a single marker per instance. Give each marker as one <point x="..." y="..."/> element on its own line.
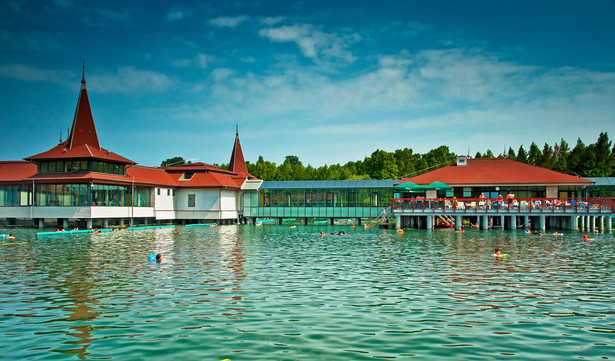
<point x="276" y="293"/>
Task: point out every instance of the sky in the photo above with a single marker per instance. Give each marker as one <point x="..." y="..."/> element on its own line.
<point x="327" y="81"/>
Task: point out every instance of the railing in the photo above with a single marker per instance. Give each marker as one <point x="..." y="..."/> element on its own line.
<point x="498" y="205"/>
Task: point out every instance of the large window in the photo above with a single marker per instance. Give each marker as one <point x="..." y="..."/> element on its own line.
<point x="191" y="200"/>
<point x="14" y="196"/>
<point x="66" y="195"/>
<point x="81" y="166"/>
<point x="326" y="197"/>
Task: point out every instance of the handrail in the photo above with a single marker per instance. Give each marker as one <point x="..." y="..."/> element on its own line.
<point x="503" y="205"/>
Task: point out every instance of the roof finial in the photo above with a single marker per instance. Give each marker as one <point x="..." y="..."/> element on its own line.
<point x="83" y="74"/>
<point x="237" y="129"/>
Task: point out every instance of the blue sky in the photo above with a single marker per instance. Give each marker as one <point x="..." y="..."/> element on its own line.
<point x="327" y="81"/>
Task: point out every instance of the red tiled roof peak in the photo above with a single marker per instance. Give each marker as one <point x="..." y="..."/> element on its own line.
<point x="83" y="130"/>
<point x="237" y="163"/>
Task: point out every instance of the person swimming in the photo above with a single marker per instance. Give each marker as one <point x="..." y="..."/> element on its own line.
<point x="498" y="253"/>
<point x="322" y="233"/>
<point x="585" y="238"/>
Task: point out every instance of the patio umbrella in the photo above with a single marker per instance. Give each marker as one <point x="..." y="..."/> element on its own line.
<point x="409" y="187"/>
<point x="437" y="185"/>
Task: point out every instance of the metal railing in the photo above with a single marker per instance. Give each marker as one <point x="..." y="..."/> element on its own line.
<point x="499" y="205"/>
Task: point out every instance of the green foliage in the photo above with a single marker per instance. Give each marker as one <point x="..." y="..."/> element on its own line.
<point x="594" y="160"/>
<point x="173" y="162"/>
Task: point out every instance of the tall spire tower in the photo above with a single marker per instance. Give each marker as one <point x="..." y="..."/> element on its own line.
<point x="83" y="130"/>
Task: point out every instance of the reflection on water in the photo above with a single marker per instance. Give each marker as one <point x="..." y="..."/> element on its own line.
<point x="253" y="293"/>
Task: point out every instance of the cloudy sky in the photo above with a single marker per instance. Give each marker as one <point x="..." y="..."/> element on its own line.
<point x="327" y="81"/>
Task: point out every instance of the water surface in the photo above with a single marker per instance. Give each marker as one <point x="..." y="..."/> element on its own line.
<point x="276" y="293"/>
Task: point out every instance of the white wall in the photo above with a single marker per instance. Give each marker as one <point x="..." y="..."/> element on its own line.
<point x="164" y="203"/>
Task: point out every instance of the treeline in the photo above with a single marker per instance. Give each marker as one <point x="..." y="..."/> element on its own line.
<point x="593" y="160"/>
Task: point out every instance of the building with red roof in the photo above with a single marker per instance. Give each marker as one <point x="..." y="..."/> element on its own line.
<point x="77" y="183"/>
<point x="494" y="176"/>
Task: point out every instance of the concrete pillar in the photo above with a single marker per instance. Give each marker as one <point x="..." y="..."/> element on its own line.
<point x="106" y="223"/>
<point x="574" y="223"/>
<point x="398" y="221"/>
<point x="330" y="221"/>
<point x="458" y="221"/>
<point x="592" y="222"/>
<point x="65" y="223"/>
<point x="513" y="222"/>
<point x="502" y="221"/>
<point x="429" y="220"/>
<point x="526" y="222"/>
<point x="89" y="223"/>
<point x="41" y="222"/>
<point x="543" y="223"/>
<point x="609" y="223"/>
<point x="484" y="222"/>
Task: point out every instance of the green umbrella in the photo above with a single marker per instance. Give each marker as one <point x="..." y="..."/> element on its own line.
<point x="437" y="185"/>
<point x="409" y="187"/>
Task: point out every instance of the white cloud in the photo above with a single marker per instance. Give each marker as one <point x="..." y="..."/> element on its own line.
<point x="129" y="80"/>
<point x="313" y="42"/>
<point x="201" y="61"/>
<point x="177" y="14"/>
<point x="228" y="21"/>
<point x="101" y="17"/>
<point x="271" y="20"/>
<point x="31" y="41"/>
<point x="26" y="73"/>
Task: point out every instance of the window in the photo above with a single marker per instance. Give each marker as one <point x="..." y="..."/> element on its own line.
<point x="191" y="200"/>
<point x="168" y="192"/>
<point x="158" y="191"/>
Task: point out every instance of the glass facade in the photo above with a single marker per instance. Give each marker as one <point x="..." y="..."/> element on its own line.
<point x="66" y="195"/>
<point x="15" y="196"/>
<point x="81" y="166"/>
<point x="325" y="197"/>
<point x="319" y="199"/>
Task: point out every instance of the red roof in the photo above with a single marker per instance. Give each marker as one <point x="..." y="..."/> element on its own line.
<point x="237" y="163"/>
<point x="149" y="175"/>
<point x="84" y="151"/>
<point x="195" y="167"/>
<point x="82" y="142"/>
<point x="498" y="171"/>
<point x="16" y="170"/>
<point x="83" y="130"/>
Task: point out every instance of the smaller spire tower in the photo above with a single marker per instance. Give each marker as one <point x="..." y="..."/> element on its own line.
<point x="237" y="163"/>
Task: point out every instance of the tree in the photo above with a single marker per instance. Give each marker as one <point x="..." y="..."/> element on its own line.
<point x="604" y="163"/>
<point x="522" y="155"/>
<point x="489" y="154"/>
<point x="511" y="154"/>
<point x="534" y="156"/>
<point x="547" y="157"/>
<point x="173" y="162"/>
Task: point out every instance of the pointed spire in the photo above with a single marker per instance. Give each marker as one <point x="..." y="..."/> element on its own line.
<point x="237" y="163"/>
<point x="83" y="74"/>
<point x="83" y="130"/>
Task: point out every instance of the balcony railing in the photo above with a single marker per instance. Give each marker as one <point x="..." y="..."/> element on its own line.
<point x="498" y="205"/>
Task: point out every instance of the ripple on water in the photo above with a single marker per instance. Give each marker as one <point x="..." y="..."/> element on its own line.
<point x="251" y="293"/>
